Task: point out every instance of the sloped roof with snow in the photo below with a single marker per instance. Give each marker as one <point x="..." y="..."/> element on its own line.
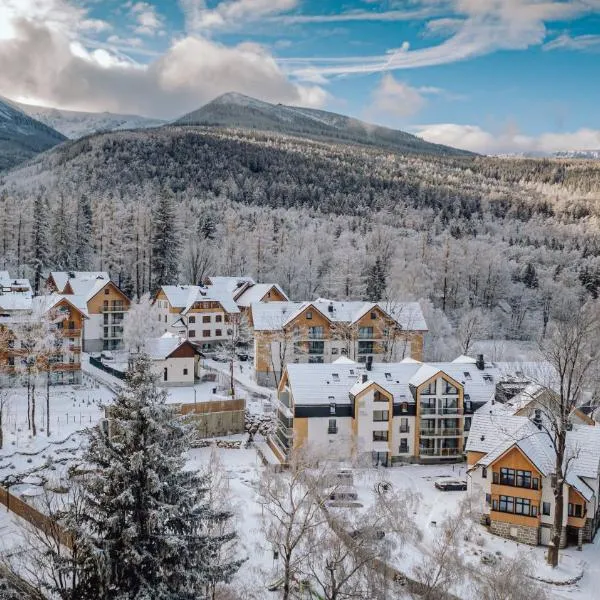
<point x="213" y="294"/>
<point x="44" y="303"/>
<point x="178" y="295"/>
<point x="272" y="316"/>
<point x="424" y="373"/>
<point x="255" y="293"/>
<point x="15" y="301"/>
<point x="82" y="279"/>
<point x="162" y="347"/>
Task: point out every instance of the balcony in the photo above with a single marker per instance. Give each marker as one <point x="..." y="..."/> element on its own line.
<point x="450" y="410"/>
<point x="69" y="332"/>
<point x="441" y="432"/>
<point x="114" y="307"/>
<point x="316" y="335"/>
<point x="439" y="452"/>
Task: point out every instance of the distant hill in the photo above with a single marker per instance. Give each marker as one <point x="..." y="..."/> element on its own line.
<point x="22" y="136"/>
<point x="237" y="110"/>
<point x="76" y="124"/>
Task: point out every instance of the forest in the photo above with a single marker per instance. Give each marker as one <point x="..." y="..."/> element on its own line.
<point x="504" y="242"/>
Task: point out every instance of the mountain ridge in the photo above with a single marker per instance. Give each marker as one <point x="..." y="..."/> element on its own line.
<point x="237" y="110"/>
<point x="22" y="136"/>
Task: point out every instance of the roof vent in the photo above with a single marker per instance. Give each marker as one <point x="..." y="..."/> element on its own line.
<point x="364" y="378"/>
<point x="369" y="363"/>
<point x="482" y="438"/>
<point x="480" y="363"/>
<point x="330" y="307"/>
<point x="537" y="418"/>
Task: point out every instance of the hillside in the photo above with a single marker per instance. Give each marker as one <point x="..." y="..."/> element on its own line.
<point x="21" y="136"/>
<point x="237" y="110"/>
<point x="75" y="124"/>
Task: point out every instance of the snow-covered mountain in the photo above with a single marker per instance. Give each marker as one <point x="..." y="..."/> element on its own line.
<point x="585" y="154"/>
<point x="22" y="136"/>
<point x="237" y="110"/>
<point x="75" y="124"/>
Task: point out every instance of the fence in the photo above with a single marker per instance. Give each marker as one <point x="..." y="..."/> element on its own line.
<point x="95" y="362"/>
<point x="35" y="517"/>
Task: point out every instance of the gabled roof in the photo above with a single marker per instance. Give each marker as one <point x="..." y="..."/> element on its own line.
<point x="178" y="295"/>
<point x="48" y="302"/>
<point x="81" y="279"/>
<point x="211" y="294"/>
<point x="424" y="373"/>
<point x="163" y="347"/>
<point x="255" y="293"/>
<point x="231" y="284"/>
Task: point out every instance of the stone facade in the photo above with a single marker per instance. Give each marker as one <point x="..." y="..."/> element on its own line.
<point x="520" y="533"/>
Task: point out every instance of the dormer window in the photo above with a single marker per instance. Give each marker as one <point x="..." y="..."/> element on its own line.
<point x="336" y="376"/>
<point x="388" y="376"/>
<point x="467" y="375"/>
<point x="488" y="378"/>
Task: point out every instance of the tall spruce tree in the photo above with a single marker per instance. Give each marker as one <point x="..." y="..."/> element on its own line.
<point x="165" y="241"/>
<point x="40" y="255"/>
<point x="376" y="281"/>
<point x="148" y="525"/>
<point x="61" y="235"/>
<point x="83" y="228"/>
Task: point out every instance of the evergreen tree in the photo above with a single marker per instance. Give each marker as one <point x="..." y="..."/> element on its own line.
<point x="376" y="281"/>
<point x="61" y="237"/>
<point x="83" y="239"/>
<point x="165" y="241"/>
<point x="40" y="248"/>
<point x="148" y="524"/>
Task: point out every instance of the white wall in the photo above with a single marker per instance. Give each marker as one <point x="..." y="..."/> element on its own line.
<point x="175" y="367"/>
<point x="335" y="445"/>
<point x="93" y="327"/>
<point x="397" y="436"/>
<point x="366" y="426"/>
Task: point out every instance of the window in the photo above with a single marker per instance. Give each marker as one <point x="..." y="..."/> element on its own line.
<point x="336" y="376"/>
<point x="468" y="405"/>
<point x="308" y="315"/>
<point x="165" y="318"/>
<point x="467" y="426"/>
<point x="373" y="315"/>
<point x="507" y="504"/>
<point x="106" y="291"/>
<point x="429" y="390"/>
<point x="334" y="351"/>
<point x="404" y="407"/>
<point x="380" y="436"/>
<point x="488" y="498"/>
<point x="11" y="361"/>
<point x="218" y="318"/>
<point x="403" y="446"/>
<point x="404" y="425"/>
<point x="315" y="333"/>
<point x="546" y="508"/>
<point x="381" y="415"/>
<point x="507" y="476"/>
<point x="488" y="378"/>
<point x="165" y="374"/>
<point x="523" y="479"/>
<point x="365" y="332"/>
<point x="192" y="320"/>
<point x="388" y="376"/>
<point x="522" y="506"/>
<point x="206" y="319"/>
<point x="185" y="371"/>
<point x="315" y="359"/>
<point x="379" y="397"/>
<point x="484" y="473"/>
<point x="192" y="333"/>
<point x="332" y="427"/>
<point x="206" y="333"/>
<point x="575" y="510"/>
<point x="218" y="332"/>
<point x="467" y="376"/>
<point x="449" y="389"/>
<point x="331" y="406"/>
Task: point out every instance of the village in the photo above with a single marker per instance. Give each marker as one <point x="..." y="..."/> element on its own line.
<point x="265" y="380"/>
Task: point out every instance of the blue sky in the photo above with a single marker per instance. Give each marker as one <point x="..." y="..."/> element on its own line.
<point x="489" y="75"/>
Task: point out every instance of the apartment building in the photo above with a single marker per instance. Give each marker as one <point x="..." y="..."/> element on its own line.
<point x="106" y="305"/>
<point x="323" y="330"/>
<point x="511" y="474"/>
<point x="205" y="314"/>
<point x="202" y="315"/>
<point x="382" y="413"/>
<point x="44" y="330"/>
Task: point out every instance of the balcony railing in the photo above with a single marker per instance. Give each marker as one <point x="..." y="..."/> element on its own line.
<point x="439" y="452"/>
<point x="315" y="335"/>
<point x="114" y="308"/>
<point x="64" y="332"/>
<point x="441" y="432"/>
<point x="442" y="410"/>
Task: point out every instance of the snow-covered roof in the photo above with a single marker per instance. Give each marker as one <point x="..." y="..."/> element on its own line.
<point x="271" y="316"/>
<point x="343" y="360"/>
<point x="15" y="285"/>
<point x="83" y="280"/>
<point x="424" y="373"/>
<point x="213" y="294"/>
<point x="231" y="284"/>
<point x="43" y="304"/>
<point x="15" y="301"/>
<point x="178" y="295"/>
<point x="255" y="293"/>
<point x="463" y="359"/>
<point x="162" y="347"/>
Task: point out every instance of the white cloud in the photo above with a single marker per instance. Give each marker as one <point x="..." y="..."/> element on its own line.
<point x="473" y="137"/>
<point x="63" y="72"/>
<point x="478" y="27"/>
<point x="230" y="13"/>
<point x="148" y="21"/>
<point x="578" y="42"/>
<point x="396" y="98"/>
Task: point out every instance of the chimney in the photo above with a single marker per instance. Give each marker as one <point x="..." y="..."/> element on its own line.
<point x="369" y="363"/>
<point x="330" y="307"/>
<point x="537" y="418"/>
<point x="364" y="378"/>
<point x="480" y="363"/>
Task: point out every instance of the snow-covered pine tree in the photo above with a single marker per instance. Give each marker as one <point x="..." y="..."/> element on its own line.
<point x="165" y="241"/>
<point x="61" y="235"/>
<point x="148" y="520"/>
<point x="40" y="256"/>
<point x="83" y="230"/>
<point x="376" y="282"/>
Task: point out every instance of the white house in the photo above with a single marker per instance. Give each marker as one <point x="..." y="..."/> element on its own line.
<point x="175" y="361"/>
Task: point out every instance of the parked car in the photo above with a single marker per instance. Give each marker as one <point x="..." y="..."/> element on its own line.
<point x="451" y="485"/>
